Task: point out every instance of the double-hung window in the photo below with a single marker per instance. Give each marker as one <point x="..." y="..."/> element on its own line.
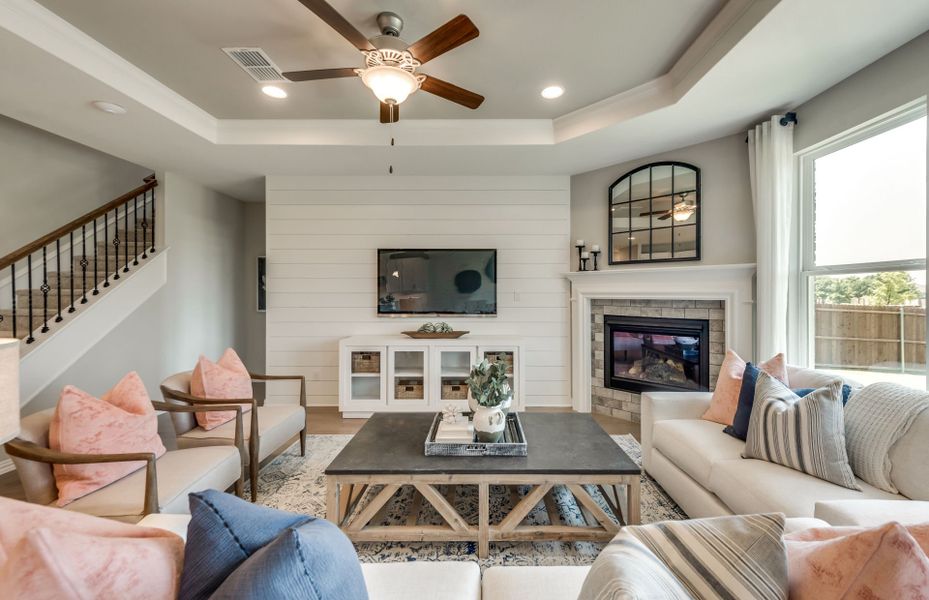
<point x="863" y="251"/>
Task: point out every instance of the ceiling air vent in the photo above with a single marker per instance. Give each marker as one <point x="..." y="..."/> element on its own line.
<point x="256" y="63"/>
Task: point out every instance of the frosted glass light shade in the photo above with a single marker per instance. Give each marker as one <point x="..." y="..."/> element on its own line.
<point x="9" y="389"/>
<point x="391" y="85"/>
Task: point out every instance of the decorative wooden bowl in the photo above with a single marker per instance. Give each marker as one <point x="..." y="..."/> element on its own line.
<point x="422" y="335"/>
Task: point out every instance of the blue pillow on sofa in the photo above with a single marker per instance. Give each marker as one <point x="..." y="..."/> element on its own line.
<point x="743" y="413"/>
<point x="226" y="532"/>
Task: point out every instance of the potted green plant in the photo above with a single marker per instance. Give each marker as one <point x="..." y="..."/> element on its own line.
<point x="491" y="397"/>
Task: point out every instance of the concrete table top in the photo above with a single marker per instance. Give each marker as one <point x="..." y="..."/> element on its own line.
<point x="568" y="443"/>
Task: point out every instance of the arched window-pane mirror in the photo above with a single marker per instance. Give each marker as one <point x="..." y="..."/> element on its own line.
<point x="654" y="214"/>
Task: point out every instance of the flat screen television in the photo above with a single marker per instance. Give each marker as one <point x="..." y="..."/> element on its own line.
<point x="436" y="282"/>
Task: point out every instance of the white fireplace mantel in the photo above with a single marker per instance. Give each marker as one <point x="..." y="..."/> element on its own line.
<point x="733" y="284"/>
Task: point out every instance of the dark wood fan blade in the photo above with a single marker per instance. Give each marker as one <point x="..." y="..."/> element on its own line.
<point x="666" y="217"/>
<point x="655" y="212"/>
<point x="332" y="18"/>
<point x="320" y="74"/>
<point x="447" y="37"/>
<point x="390" y="113"/>
<point x="452" y="92"/>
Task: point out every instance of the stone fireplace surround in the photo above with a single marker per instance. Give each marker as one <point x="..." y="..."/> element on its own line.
<point x="728" y="288"/>
<point x="626" y="405"/>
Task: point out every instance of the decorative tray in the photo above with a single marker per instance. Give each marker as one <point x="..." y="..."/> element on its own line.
<point x="422" y="335"/>
<point x="513" y="444"/>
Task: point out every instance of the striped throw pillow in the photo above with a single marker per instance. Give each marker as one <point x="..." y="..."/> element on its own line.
<point x="805" y="434"/>
<point x="737" y="557"/>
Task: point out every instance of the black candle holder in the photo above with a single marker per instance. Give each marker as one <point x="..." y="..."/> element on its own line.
<point x="596" y="253"/>
<point x="584" y="264"/>
<point x="580" y="262"/>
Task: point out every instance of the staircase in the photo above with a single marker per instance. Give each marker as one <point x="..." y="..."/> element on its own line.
<point x="50" y="280"/>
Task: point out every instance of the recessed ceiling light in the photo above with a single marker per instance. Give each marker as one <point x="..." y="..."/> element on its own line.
<point x="552" y="92"/>
<point x="274" y="91"/>
<point x="109" y="107"/>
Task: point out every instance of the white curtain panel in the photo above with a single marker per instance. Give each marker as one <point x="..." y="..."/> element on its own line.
<point x="771" y="168"/>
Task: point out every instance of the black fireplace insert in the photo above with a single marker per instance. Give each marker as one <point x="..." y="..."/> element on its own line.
<point x="643" y="354"/>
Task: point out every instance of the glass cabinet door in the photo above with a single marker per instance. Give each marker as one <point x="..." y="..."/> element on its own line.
<point x="509" y="356"/>
<point x="407" y="377"/>
<point x="367" y="369"/>
<point x="454" y="367"/>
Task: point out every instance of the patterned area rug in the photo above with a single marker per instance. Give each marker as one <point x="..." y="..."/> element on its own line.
<point x="297" y="484"/>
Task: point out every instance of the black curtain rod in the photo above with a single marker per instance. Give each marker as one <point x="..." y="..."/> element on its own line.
<point x="787" y="119"/>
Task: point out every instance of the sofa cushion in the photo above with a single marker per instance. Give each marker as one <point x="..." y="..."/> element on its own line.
<point x="51" y="553"/>
<point x="739" y="556"/>
<point x="870" y="513"/>
<point x="315" y="561"/>
<point x="875" y="419"/>
<point x="694" y="445"/>
<point x="909" y="469"/>
<point x="179" y="473"/>
<point x="726" y="393"/>
<point x="806" y="434"/>
<point x="755" y="485"/>
<point x="442" y="580"/>
<point x="531" y="583"/>
<point x="277" y="423"/>
<point x="120" y="421"/>
<point x="883" y="562"/>
<point x="227" y="378"/>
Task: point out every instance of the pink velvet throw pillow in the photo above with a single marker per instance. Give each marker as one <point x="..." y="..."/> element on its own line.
<point x="726" y="394"/>
<point x="225" y="379"/>
<point x="850" y="562"/>
<point x="53" y="554"/>
<point x="120" y="421"/>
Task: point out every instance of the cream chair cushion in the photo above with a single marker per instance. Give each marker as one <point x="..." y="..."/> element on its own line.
<point x="533" y="583"/>
<point x="180" y="382"/>
<point x="277" y="423"/>
<point x="694" y="445"/>
<point x="442" y="580"/>
<point x="872" y="513"/>
<point x="180" y="472"/>
<point x="37" y="478"/>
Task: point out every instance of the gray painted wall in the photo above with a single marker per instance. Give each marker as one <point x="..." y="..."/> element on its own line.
<point x="201" y="309"/>
<point x="254" y="322"/>
<point x="46" y="181"/>
<point x="728" y="221"/>
<point x="896" y="79"/>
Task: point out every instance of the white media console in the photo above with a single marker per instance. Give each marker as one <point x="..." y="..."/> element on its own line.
<point x="401" y="374"/>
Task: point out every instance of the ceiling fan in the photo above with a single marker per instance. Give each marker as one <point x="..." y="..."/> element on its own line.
<point x="681" y="211"/>
<point x="391" y="64"/>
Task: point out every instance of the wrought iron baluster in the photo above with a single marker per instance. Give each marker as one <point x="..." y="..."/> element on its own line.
<point x="13" y="288"/>
<point x="71" y="308"/>
<point x="29" y="339"/>
<point x="84" y="264"/>
<point x="154" y="226"/>
<point x="58" y="277"/>
<point x="106" y="250"/>
<point x="126" y="233"/>
<point x="96" y="274"/>
<point x="116" y="242"/>
<point x="145" y="224"/>
<point x="45" y="289"/>
<point x="135" y="229"/>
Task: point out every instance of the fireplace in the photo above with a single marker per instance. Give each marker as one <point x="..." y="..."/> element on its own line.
<point x="656" y="353"/>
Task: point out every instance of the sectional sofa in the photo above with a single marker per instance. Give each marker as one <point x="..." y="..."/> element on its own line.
<point x="703" y="470"/>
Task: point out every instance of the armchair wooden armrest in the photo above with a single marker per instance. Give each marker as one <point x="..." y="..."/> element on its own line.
<point x="190" y="399"/>
<point x="30" y="451"/>
<point x="239" y="439"/>
<point x="300" y="378"/>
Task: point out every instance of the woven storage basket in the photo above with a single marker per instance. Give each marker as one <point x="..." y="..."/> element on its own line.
<point x="454" y="390"/>
<point x="409" y="390"/>
<point x="506" y="357"/>
<point x="366" y="362"/>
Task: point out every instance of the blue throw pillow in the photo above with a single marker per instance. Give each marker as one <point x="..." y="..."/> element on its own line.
<point x="846" y="392"/>
<point x="314" y="561"/>
<point x="743" y="412"/>
<point x="224" y="531"/>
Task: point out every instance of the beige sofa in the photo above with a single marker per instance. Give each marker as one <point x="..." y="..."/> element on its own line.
<point x="461" y="580"/>
<point x="702" y="469"/>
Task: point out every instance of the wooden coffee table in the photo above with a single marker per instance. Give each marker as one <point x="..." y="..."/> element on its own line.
<point x="565" y="449"/>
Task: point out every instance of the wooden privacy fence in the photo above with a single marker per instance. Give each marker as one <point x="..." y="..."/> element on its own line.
<point x="878" y="338"/>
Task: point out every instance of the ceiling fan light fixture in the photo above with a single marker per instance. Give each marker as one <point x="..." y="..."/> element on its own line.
<point x="683" y="211"/>
<point x="391" y="85"/>
<point x="274" y="91"/>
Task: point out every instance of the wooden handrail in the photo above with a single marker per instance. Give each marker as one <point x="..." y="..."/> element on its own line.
<point x="45" y="240"/>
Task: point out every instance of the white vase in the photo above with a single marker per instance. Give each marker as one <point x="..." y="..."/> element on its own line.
<point x="489" y="423"/>
<point x="506" y="404"/>
<point x="472" y="404"/>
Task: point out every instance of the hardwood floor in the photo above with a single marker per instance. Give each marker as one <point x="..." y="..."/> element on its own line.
<point x="327" y="420"/>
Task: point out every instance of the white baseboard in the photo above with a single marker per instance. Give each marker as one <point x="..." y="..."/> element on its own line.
<point x="6" y="466"/>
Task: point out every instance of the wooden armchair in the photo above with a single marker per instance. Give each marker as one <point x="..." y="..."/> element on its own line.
<point x="276" y="424"/>
<point x="179" y="472"/>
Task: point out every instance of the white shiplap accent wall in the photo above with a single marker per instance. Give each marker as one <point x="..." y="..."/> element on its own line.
<point x="322" y="237"/>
